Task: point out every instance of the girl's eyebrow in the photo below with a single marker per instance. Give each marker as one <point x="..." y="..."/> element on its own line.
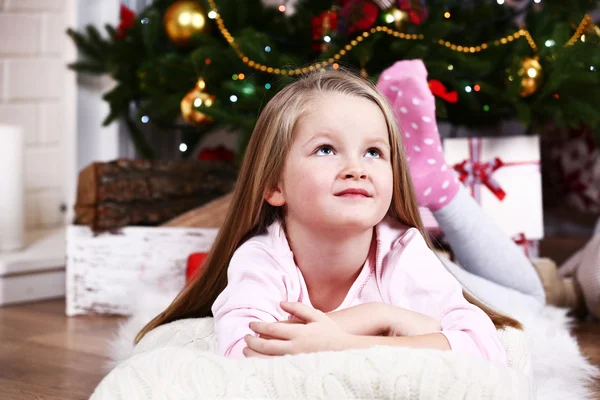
<point x="320" y="135"/>
<point x="328" y="135"/>
<point x="381" y="142"/>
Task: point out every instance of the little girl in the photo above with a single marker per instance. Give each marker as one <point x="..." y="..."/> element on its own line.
<point x="323" y="246"/>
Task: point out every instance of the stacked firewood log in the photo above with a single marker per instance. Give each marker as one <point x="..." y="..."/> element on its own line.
<point x="112" y="195"/>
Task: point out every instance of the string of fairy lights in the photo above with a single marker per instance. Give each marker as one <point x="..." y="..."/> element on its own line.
<point x="579" y="34"/>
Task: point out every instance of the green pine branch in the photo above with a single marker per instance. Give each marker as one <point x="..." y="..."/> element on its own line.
<point x="153" y="73"/>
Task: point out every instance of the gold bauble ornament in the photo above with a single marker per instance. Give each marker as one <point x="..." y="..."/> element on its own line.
<point x="184" y="18"/>
<point x="195" y="99"/>
<point x="531" y="75"/>
<point x="397" y="17"/>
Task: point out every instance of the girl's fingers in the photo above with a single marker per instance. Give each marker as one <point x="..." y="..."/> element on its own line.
<point x="303" y="312"/>
<point x="274" y="330"/>
<point x="293" y="320"/>
<point x="267" y="347"/>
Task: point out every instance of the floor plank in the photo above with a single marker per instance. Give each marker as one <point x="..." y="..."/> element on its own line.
<point x="45" y="355"/>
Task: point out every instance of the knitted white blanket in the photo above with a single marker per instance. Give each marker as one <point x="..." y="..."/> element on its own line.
<point x="178" y="361"/>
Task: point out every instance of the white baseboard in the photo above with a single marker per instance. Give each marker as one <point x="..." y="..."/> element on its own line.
<point x="32" y="287"/>
<point x="44" y="249"/>
<point x="37" y="271"/>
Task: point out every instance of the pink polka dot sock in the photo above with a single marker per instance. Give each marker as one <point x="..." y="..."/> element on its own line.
<point x="405" y="86"/>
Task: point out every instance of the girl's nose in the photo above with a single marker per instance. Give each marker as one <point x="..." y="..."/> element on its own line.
<point x="354" y="171"/>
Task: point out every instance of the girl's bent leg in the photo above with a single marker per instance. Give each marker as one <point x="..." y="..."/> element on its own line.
<point x="503" y="299"/>
<point x="483" y="249"/>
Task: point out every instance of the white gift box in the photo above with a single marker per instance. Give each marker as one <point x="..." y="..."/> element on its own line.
<point x="503" y="175"/>
<point x="103" y="271"/>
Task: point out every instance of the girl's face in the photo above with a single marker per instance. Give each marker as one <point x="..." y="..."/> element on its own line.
<point x="338" y="173"/>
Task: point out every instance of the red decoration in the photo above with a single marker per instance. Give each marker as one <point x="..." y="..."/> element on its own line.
<point x="360" y="15"/>
<point x="417" y="10"/>
<point x="220" y="153"/>
<point x="195" y="265"/>
<point x="530" y="247"/>
<point x="473" y="172"/>
<point x="322" y="24"/>
<point x="127" y="21"/>
<point x="438" y="89"/>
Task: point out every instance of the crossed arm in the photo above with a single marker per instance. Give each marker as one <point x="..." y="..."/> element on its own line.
<point x="362" y="326"/>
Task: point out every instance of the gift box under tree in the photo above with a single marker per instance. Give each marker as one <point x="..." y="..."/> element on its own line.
<point x="504" y="177"/>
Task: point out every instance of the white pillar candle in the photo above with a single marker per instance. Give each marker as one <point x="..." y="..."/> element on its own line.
<point x="12" y="188"/>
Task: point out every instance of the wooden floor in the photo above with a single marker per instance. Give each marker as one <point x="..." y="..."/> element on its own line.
<point x="47" y="356"/>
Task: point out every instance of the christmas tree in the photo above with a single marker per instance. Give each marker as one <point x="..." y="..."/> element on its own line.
<point x="204" y="65"/>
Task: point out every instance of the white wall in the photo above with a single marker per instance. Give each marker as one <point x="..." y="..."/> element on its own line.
<point x="37" y="93"/>
<point x="94" y="142"/>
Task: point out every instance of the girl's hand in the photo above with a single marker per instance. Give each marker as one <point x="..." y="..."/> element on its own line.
<point x="317" y="332"/>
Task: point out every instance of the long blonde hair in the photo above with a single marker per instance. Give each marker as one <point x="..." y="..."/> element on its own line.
<point x="249" y="214"/>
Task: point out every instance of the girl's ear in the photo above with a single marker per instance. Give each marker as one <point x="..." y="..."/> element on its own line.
<point x="275" y="197"/>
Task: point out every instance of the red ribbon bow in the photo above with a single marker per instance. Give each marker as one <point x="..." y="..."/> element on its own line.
<point x="474" y="172"/>
<point x="438" y="89"/>
<point x="127" y="21"/>
<point x="527" y="245"/>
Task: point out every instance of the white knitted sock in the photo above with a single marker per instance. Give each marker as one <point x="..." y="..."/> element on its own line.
<point x="483" y="249"/>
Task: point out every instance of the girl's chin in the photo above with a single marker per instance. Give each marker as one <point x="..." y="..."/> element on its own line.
<point x="350" y="223"/>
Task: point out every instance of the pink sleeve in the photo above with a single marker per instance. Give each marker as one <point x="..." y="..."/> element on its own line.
<point x="418" y="281"/>
<point x="256" y="284"/>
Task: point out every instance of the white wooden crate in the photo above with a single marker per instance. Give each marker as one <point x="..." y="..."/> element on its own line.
<point x="103" y="271"/>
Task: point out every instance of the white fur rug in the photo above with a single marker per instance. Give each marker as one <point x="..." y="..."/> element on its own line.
<point x="559" y="370"/>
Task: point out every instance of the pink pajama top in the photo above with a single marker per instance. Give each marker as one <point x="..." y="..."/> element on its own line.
<point x="406" y="273"/>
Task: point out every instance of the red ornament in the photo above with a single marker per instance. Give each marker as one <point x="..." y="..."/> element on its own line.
<point x="417" y="10"/>
<point x="195" y="265"/>
<point x="127" y="21"/>
<point x="360" y="15"/>
<point x="220" y="153"/>
<point x="438" y="89"/>
<point x="322" y="24"/>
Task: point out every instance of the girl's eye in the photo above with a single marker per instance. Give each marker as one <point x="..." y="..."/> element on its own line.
<point x="375" y="153"/>
<point x="324" y="151"/>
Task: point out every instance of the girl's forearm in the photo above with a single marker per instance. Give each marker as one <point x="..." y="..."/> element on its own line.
<point x="429" y="341"/>
<point x="368" y="319"/>
<point x="372" y="319"/>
